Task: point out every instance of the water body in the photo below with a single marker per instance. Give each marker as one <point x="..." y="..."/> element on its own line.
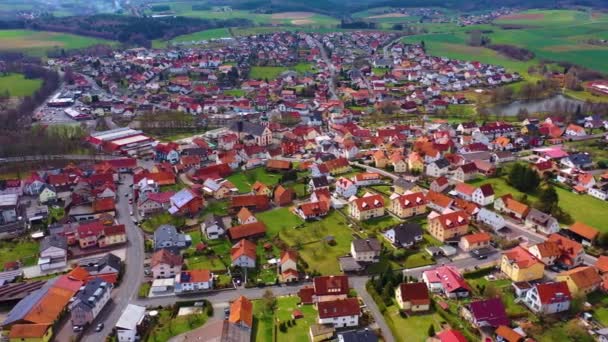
<point x="535" y="106"/>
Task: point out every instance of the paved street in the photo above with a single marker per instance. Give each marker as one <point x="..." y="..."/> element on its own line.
<point x="332" y="69"/>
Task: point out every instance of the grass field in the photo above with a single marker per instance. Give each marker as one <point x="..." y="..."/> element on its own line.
<point x="195" y="37"/>
<point x="18" y="85"/>
<point x="244" y="182"/>
<point x="213" y="262"/>
<point x="169" y="326"/>
<point x="38" y="42"/>
<point x="278" y="220"/>
<point x="299" y="331"/>
<point x="272" y="72"/>
<point x="595" y="211"/>
<point x="25" y="251"/>
<point x="413" y="328"/>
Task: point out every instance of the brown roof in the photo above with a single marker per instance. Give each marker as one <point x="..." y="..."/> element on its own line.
<point x="246" y="230"/>
<point x="241" y="312"/>
<point x="416" y="293"/>
<point x="477" y="237"/>
<point x="163" y="256"/>
<point x="260" y="202"/>
<point x="25" y="331"/>
<point x="331" y="285"/>
<point x="243" y="247"/>
<point x="508" y="334"/>
<point x="602" y="263"/>
<point x="278" y="164"/>
<point x="584" y="230"/>
<point x="289" y="255"/>
<point x="514" y="205"/>
<point x="339" y="308"/>
<point x="548" y="249"/>
<point x="244" y="214"/>
<point x="438" y="198"/>
<point x="314" y="208"/>
<point x="584" y="277"/>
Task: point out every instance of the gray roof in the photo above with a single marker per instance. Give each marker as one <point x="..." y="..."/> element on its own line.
<point x="442" y="163"/>
<point x="97" y="264"/>
<point x="366" y="245"/>
<point x="358" y="336"/>
<point x="182" y="198"/>
<point x="580" y="159"/>
<point x="212" y="220"/>
<point x="88" y="296"/>
<point x="54" y="241"/>
<point x="248" y="128"/>
<point x="131" y="317"/>
<point x="539" y="217"/>
<point x="406" y="233"/>
<point x="168" y="232"/>
<point x="404" y="184"/>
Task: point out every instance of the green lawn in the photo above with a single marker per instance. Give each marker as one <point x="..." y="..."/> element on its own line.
<point x="262" y="323"/>
<point x="153" y="222"/>
<point x="278" y="220"/>
<point x="22" y="250"/>
<point x="595" y="211"/>
<point x="413" y="328"/>
<point x="144" y="289"/>
<point x="215" y="207"/>
<point x="38" y="42"/>
<point x="243" y="180"/>
<point x="272" y="72"/>
<point x="299" y="331"/>
<point x="217" y="260"/>
<point x="18" y="85"/>
<point x="601" y="314"/>
<point x="203" y="35"/>
<point x="169" y="326"/>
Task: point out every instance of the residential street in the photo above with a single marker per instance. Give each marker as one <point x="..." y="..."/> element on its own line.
<point x="332" y="69"/>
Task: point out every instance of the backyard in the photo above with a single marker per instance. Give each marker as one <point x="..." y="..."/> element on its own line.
<point x="151" y="223"/>
<point x="263" y="322"/>
<point x="211" y="258"/>
<point x="278" y="220"/>
<point x="169" y="326"/>
<point x="243" y="180"/>
<point x="412" y="328"/>
<point x="23" y="250"/>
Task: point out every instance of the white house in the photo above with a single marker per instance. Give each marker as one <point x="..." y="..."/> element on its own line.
<point x="89" y="301"/>
<point x="193" y="281"/>
<point x="548" y="298"/>
<point x="345" y="187"/>
<point x="53" y="252"/>
<point x="491" y="218"/>
<point x="339" y="313"/>
<point x="366" y="250"/>
<point x="484" y="195"/>
<point x="599" y="191"/>
<point x="243" y="254"/>
<point x="47" y="195"/>
<point x="437" y="168"/>
<point x="213" y="227"/>
<point x="129" y="321"/>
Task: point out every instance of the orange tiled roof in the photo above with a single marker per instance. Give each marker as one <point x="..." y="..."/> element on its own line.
<point x="241" y="311"/>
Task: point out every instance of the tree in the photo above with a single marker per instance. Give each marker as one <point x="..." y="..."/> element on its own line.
<point x="548" y="199"/>
<point x="523" y="178"/>
<point x="431" y="331"/>
<point x="269" y="301"/>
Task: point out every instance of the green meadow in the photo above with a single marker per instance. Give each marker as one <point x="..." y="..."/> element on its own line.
<point x="38" y="42"/>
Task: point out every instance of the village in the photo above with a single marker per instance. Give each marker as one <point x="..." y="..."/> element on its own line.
<point x="292" y="215"/>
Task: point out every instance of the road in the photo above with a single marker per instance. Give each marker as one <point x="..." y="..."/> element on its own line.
<point x="133" y="276"/>
<point x="331" y="82"/>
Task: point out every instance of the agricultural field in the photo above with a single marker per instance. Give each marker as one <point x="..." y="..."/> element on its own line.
<point x="17" y="85"/>
<point x="558" y="35"/>
<point x="195" y="37"/>
<point x="38" y="42"/>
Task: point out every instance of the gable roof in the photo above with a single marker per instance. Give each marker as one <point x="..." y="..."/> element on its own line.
<point x="584" y="230"/>
<point x="491" y="311"/>
<point x="366" y="245"/>
<point x="406" y="233"/>
<point x="555" y="292"/>
<point x="521" y="257"/>
<point x="416" y="293"/>
<point x="243" y="248"/>
<point x="451" y="335"/>
<point x="331" y="285"/>
<point x="369" y="202"/>
<point x="411" y="200"/>
<point x="584" y="277"/>
<point x="241" y="312"/>
<point x="163" y="256"/>
<point x="246" y="230"/>
<point x="339" y="308"/>
<point x="452" y="220"/>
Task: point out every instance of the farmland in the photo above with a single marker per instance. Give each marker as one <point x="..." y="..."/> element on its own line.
<point x="272" y="72"/>
<point x="18" y="85"/>
<point x="38" y="42"/>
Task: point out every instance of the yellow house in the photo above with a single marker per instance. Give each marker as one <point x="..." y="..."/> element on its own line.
<point x="409" y="205"/>
<point x="221" y="193"/>
<point x="448" y="226"/>
<point x="519" y="265"/>
<point x="30" y="333"/>
<point x="321" y="332"/>
<point x="367" y="207"/>
<point x="415" y="162"/>
<point x="413" y="297"/>
<point x="581" y="280"/>
<point x="380" y="159"/>
<point x="260" y="188"/>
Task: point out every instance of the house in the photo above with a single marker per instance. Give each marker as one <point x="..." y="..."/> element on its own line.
<point x="413" y="297"/>
<point x="448" y="226"/>
<point x="465" y="173"/>
<point x="519" y="265"/>
<point x="30" y="333"/>
<point x="317" y="183"/>
<point x="449" y="335"/>
<point x="130" y="322"/>
<point x="486" y="313"/>
<point x="581" y="161"/>
<point x="515" y="209"/>
<point x="247" y="130"/>
<point x="241" y="313"/>
<point x="464" y="191"/>
<point x="247" y="231"/>
<point x="47" y="195"/>
<point x="547" y="252"/>
<point x="96" y="233"/>
<point x="337" y="166"/>
<point x="401" y="186"/>
<point x="491" y="219"/>
<point x="329" y="288"/>
<point x="186" y="202"/>
<point x="475" y="241"/>
<point x="506" y="334"/>
<point x="572" y="252"/>
<point x="321" y="332"/>
<point x="447" y="281"/>
<point x="581" y="280"/>
<point x="165" y="264"/>
<point x="166" y="236"/>
<point x="408" y="205"/>
<point x="340" y="313"/>
<point x="380" y="159"/>
<point x="345" y="187"/>
<point x="213" y="227"/>
<point x="365" y="335"/>
<point x="89" y="302"/>
<point x="276" y="165"/>
<point x="193" y="281"/>
<point x="282" y="196"/>
<point x="541" y="222"/>
<point x="53" y="252"/>
<point x="548" y="298"/>
<point x="312" y="210"/>
<point x="438" y="201"/>
<point x="259" y="188"/>
<point x="245" y="216"/>
<point x="484" y="195"/>
<point x="252" y="202"/>
<point x="367" y="178"/>
<point x="583" y="233"/>
<point x="365" y="250"/>
<point x="288" y="266"/>
<point x="150" y="203"/>
<point x="243" y="254"/>
<point x="439" y="184"/>
<point x="404" y="235"/>
<point x="366" y="207"/>
<point x="438" y="168"/>
<point x="107" y="267"/>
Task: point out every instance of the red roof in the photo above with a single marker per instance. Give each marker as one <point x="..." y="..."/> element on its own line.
<point x="104" y="204"/>
<point x="331" y="285"/>
<point x="453" y="220"/>
<point x="556" y="292"/>
<point x="163" y="256"/>
<point x="243" y="247"/>
<point x="451" y="335"/>
<point x="369" y="202"/>
<point x="247" y="230"/>
<point x="314" y="208"/>
<point x="416" y="293"/>
<point x="198" y="276"/>
<point x="260" y="202"/>
<point x="306" y="294"/>
<point x="339" y="308"/>
<point x="411" y="200"/>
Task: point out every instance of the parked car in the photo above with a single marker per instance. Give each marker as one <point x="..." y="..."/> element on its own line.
<point x="99" y="327"/>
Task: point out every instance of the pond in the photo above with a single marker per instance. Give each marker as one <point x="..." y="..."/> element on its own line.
<point x="536" y="106"/>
